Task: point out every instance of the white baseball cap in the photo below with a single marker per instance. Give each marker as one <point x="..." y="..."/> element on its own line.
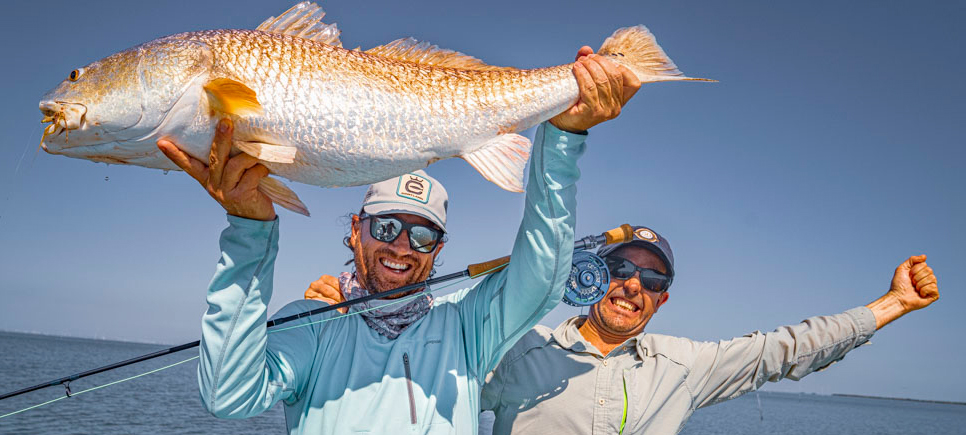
<point x="413" y="193"/>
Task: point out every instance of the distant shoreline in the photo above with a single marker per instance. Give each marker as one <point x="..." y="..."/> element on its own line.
<point x="945" y="402"/>
<point x="77" y="337"/>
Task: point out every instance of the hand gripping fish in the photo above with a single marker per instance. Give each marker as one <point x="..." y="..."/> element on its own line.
<point x="314" y="112"/>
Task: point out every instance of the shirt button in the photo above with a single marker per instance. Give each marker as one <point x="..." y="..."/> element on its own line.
<point x="601" y="402"/>
<point x="605" y="363"/>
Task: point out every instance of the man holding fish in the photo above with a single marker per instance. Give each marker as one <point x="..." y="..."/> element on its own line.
<point x="413" y="363"/>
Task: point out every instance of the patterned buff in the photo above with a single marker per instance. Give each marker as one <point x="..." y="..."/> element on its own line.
<point x="389" y="320"/>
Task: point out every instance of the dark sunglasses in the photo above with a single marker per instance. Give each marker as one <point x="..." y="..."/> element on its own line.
<point x="387" y="228"/>
<point x="622" y="268"/>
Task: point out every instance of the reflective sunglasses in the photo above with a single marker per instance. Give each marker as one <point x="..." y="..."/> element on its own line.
<point x="387" y="228"/>
<point x="622" y="268"/>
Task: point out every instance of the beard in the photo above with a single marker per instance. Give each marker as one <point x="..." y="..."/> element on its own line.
<point x="378" y="282"/>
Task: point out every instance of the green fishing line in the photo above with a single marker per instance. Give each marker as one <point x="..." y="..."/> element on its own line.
<point x="354" y="313"/>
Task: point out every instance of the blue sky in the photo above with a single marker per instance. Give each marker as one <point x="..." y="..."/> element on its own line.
<point x="831" y="149"/>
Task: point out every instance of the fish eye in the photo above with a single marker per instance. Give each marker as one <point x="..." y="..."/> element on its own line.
<point x="74" y="75"/>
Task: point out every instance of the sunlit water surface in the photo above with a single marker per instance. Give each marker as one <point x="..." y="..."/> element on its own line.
<point x="167" y="402"/>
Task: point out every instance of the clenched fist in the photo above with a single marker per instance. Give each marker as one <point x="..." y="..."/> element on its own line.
<point x="914" y="286"/>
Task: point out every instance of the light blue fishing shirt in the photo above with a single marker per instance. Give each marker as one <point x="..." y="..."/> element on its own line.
<point x="340" y="376"/>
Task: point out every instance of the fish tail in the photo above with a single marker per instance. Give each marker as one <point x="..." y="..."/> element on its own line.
<point x="636" y="49"/>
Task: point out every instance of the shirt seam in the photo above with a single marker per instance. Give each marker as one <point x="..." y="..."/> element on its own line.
<point x="551" y="210"/>
<point x="234" y="319"/>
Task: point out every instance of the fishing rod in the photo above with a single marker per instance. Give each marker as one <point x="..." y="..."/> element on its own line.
<point x="588" y="281"/>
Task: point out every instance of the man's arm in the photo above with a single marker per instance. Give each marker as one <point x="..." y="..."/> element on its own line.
<point x="728" y="369"/>
<point x="241" y="372"/>
<point x="244" y="369"/>
<point x="505" y="305"/>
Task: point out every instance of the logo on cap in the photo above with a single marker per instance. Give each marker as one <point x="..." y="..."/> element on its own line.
<point x="414" y="187"/>
<point x="645" y="234"/>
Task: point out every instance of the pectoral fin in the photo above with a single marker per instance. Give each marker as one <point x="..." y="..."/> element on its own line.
<point x="267" y="152"/>
<point x="502" y="160"/>
<point x="232" y="97"/>
<point x="280" y="194"/>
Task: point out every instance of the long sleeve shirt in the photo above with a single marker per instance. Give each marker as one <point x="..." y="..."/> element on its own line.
<point x="335" y="375"/>
<point x="557" y="382"/>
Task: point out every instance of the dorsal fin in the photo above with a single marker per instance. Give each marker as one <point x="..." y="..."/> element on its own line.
<point x="424" y="53"/>
<point x="303" y="20"/>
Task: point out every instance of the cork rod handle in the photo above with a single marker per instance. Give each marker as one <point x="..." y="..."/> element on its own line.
<point x="480" y="269"/>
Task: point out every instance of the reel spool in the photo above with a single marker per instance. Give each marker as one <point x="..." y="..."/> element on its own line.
<point x="589" y="280"/>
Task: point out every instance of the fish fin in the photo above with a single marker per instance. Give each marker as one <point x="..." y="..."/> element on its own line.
<point x="637" y="49"/>
<point x="232" y="97"/>
<point x="303" y="20"/>
<point x="502" y="160"/>
<point x="424" y="53"/>
<point x="282" y="195"/>
<point x="267" y="152"/>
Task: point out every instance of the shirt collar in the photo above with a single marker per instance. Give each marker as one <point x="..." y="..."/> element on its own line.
<point x="568" y="336"/>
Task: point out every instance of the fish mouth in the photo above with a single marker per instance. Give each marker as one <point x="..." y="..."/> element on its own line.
<point x="62" y="118"/>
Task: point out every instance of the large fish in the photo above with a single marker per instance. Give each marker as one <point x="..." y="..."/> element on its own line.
<point x="317" y="113"/>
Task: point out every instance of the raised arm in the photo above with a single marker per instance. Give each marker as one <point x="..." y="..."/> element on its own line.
<point x="504" y="306"/>
<point x="242" y="372"/>
<point x="728" y="369"/>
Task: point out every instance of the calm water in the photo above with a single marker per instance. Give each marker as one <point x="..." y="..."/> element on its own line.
<point x="167" y="402"/>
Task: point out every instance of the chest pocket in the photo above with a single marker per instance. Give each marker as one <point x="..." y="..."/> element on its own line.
<point x="655" y="391"/>
<point x="434" y="374"/>
<point x="401" y="400"/>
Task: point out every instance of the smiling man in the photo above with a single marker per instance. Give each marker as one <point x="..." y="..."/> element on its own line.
<point x="603" y="374"/>
<point x="411" y="364"/>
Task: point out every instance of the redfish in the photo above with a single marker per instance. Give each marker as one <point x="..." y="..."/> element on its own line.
<point x="317" y="113"/>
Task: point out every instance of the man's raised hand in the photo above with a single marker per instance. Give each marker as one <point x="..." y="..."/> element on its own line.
<point x="604" y="89"/>
<point x="233" y="182"/>
<point x="914" y="286"/>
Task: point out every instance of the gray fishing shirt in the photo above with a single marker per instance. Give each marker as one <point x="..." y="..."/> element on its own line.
<point x="557" y="382"/>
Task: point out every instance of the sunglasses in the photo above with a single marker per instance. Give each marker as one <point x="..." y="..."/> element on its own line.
<point x="387" y="228"/>
<point x="622" y="268"/>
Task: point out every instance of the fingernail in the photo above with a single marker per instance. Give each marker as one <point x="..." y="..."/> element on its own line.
<point x="223" y="125"/>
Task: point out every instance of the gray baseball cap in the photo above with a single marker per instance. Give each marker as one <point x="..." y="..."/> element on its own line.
<point x="650" y="240"/>
<point x="413" y="193"/>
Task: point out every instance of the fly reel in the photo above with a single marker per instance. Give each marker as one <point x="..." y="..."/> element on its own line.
<point x="589" y="280"/>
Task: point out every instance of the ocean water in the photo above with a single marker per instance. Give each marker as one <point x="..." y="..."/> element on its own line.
<point x="167" y="402"/>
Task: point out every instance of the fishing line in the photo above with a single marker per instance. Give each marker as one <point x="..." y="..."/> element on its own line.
<point x="580" y="289"/>
<point x="302" y="325"/>
<point x="22" y="155"/>
<point x="12" y="187"/>
<point x="99" y="387"/>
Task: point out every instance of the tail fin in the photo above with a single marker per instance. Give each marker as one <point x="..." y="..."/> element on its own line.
<point x="636" y="49"/>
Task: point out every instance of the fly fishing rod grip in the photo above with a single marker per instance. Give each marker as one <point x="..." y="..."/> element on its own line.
<point x="621" y="234"/>
<point x="480" y="269"/>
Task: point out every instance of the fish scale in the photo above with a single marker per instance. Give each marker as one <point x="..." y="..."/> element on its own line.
<point x="314" y="112"/>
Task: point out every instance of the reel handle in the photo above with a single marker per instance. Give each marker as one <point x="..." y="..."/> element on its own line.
<point x="487" y="267"/>
<point x="621" y="234"/>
